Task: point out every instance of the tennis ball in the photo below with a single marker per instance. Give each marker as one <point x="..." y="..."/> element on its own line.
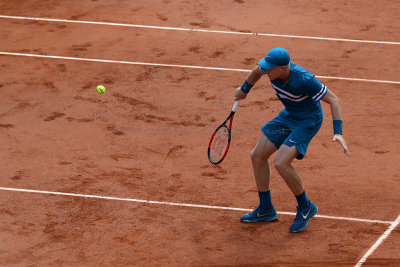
<point x="100" y="89"/>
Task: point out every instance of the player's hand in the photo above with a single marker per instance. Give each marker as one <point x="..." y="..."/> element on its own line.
<point x="339" y="138"/>
<point x="239" y="94"/>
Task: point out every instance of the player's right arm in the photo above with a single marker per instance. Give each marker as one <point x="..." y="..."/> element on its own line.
<point x="254" y="76"/>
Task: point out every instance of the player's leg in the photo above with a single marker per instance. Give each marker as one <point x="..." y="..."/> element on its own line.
<point x="283" y="164"/>
<point x="259" y="159"/>
<point x="274" y="133"/>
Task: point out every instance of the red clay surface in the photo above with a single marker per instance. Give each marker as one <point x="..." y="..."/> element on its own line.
<point x="146" y="137"/>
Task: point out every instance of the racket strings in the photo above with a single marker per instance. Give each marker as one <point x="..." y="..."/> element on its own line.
<point x="219" y="144"/>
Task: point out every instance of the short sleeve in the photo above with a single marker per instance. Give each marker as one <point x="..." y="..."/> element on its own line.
<point x="315" y="89"/>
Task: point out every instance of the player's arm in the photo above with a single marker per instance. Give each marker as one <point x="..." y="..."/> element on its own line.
<point x="336" y="110"/>
<point x="254" y="76"/>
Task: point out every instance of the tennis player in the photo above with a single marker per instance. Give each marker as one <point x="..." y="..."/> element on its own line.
<point x="289" y="133"/>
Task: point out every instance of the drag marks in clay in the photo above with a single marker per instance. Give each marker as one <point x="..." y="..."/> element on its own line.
<point x="135" y="103"/>
<point x="114" y="131"/>
<point x="7" y="126"/>
<point x="151" y="118"/>
<point x="217" y="172"/>
<point x="54" y="116"/>
<point x="174" y="150"/>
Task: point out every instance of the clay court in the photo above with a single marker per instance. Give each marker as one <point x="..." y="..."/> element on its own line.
<point x="123" y="179"/>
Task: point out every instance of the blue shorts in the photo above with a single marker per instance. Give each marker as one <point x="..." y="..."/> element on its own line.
<point x="292" y="132"/>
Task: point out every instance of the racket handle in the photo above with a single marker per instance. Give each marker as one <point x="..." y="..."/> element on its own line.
<point x="235" y="105"/>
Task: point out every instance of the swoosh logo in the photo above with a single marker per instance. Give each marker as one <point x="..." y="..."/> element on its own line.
<point x="304" y="216"/>
<point x="290" y="140"/>
<point x="261" y="215"/>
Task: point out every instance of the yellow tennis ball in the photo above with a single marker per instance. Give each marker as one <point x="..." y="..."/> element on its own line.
<point x="100" y="89"/>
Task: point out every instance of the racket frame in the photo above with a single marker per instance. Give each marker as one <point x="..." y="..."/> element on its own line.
<point x="229" y="128"/>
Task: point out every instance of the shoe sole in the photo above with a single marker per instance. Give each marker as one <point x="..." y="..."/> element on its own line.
<point x="312" y="215"/>
<point x="269" y="219"/>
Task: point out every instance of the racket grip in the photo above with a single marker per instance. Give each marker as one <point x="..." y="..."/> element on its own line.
<point x="235" y="105"/>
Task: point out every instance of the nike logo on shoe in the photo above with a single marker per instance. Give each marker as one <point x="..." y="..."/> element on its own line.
<point x="305" y="216"/>
<point x="262" y="215"/>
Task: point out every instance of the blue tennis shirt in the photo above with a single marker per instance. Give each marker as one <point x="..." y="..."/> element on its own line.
<point x="301" y="95"/>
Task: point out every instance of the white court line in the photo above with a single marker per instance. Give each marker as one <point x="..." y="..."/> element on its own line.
<point x="180" y="66"/>
<point x="379" y="241"/>
<point x="177" y="204"/>
<point x="122" y="62"/>
<point x="201" y="30"/>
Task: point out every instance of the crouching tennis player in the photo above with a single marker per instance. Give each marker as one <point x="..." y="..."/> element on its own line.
<point x="289" y="133"/>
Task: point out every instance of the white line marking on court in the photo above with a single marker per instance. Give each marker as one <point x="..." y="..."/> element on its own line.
<point x="122" y="62"/>
<point x="179" y="66"/>
<point x="177" y="204"/>
<point x="379" y="241"/>
<point x="202" y="30"/>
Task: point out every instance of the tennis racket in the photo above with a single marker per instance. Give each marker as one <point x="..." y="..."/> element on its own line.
<point x="221" y="139"/>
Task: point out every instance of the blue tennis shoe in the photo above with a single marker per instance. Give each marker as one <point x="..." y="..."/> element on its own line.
<point x="302" y="217"/>
<point x="260" y="215"/>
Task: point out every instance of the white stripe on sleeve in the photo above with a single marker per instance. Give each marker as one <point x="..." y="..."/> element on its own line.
<point x="320" y="94"/>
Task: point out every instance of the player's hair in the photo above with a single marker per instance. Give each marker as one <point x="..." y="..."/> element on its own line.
<point x="287" y="66"/>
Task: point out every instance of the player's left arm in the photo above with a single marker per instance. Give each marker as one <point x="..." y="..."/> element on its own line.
<point x="336" y="109"/>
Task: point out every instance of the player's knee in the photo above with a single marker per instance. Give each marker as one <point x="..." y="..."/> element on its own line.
<point x="253" y="155"/>
<point x="258" y="158"/>
<point x="280" y="164"/>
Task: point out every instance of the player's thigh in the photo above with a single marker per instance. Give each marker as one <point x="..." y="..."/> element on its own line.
<point x="285" y="155"/>
<point x="264" y="148"/>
